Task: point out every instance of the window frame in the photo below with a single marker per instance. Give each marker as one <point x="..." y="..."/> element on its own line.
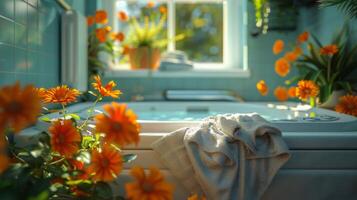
<point x="234" y="37"/>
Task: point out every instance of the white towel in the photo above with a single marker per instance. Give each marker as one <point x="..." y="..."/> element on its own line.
<point x="226" y="157"/>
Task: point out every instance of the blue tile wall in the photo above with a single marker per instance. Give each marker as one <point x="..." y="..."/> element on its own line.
<point x="30" y="42"/>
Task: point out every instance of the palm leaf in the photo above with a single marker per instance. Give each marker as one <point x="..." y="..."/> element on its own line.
<point x="348" y="6"/>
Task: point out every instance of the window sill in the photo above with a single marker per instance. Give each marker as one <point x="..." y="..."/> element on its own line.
<point x="198" y="73"/>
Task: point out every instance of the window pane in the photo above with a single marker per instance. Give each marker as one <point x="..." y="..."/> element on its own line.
<point x="202" y="23"/>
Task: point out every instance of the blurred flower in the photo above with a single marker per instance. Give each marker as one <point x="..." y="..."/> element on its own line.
<point x="60" y="94"/>
<point x="119" y="126"/>
<point x="278" y="46"/>
<point x="123" y="16"/>
<point x="90" y="20"/>
<point x="292" y="92"/>
<point x="148" y="186"/>
<point x="298" y="50"/>
<point x="65" y="138"/>
<point x="107" y="90"/>
<point x="150" y="4"/>
<point x="126" y="50"/>
<point x="102" y="33"/>
<point x="163" y="10"/>
<point x="303" y="37"/>
<point x="291" y="56"/>
<point x="3" y="142"/>
<point x="347" y="105"/>
<point x="4" y="162"/>
<point x="262" y="88"/>
<point x="329" y="50"/>
<point x="18" y="107"/>
<point x="196" y="197"/>
<point x="105" y="164"/>
<point x="101" y="17"/>
<point x="281" y="93"/>
<point x="306" y="89"/>
<point x="282" y="67"/>
<point x="118" y="36"/>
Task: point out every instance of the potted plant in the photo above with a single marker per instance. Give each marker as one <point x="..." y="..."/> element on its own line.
<point x="146" y="37"/>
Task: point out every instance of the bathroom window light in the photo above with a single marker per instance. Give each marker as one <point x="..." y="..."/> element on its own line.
<point x="214" y="30"/>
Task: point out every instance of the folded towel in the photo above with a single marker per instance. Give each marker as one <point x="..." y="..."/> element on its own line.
<point x="228" y="156"/>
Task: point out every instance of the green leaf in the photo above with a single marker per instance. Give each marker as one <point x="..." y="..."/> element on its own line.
<point x="103" y="191"/>
<point x="75" y="116"/>
<point x="45" y="119"/>
<point x="127" y="158"/>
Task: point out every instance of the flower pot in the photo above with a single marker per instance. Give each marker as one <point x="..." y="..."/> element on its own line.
<point x="144" y="58"/>
<point x="333" y="99"/>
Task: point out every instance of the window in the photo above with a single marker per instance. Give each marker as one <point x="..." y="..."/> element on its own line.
<point x="215" y="34"/>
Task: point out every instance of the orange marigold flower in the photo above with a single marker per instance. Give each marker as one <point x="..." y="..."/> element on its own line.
<point x="105" y="164"/>
<point x="163" y="10"/>
<point x="262" y="87"/>
<point x="150" y="4"/>
<point x="123" y="16"/>
<point x="292" y="92"/>
<point x="118" y="36"/>
<point x="298" y="51"/>
<point x="148" y="186"/>
<point x="60" y="94"/>
<point x="90" y="20"/>
<point x="282" y="67"/>
<point x="347" y="105"/>
<point x="4" y="162"/>
<point x="291" y="56"/>
<point x="18" y="107"/>
<point x="101" y="34"/>
<point x="329" y="50"/>
<point x="306" y="89"/>
<point x="107" y="90"/>
<point x="281" y="93"/>
<point x="196" y="197"/>
<point x="119" y="126"/>
<point x="303" y="37"/>
<point x="64" y="138"/>
<point x="101" y="17"/>
<point x="278" y="46"/>
<point x="126" y="50"/>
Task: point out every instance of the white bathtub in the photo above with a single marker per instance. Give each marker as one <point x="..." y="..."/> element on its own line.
<point x="324" y="148"/>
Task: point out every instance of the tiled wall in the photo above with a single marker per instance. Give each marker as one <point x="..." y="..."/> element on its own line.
<point x="29" y="42"/>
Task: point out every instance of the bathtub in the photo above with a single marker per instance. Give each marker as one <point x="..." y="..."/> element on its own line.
<point x="323" y="144"/>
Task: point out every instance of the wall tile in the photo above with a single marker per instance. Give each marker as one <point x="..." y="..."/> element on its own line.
<point x="7" y="78"/>
<point x="20" y="11"/>
<point x="6" y="58"/>
<point x="20" y="60"/>
<point x="7" y="31"/>
<point x="20" y="36"/>
<point x="7" y="8"/>
<point x="33" y="65"/>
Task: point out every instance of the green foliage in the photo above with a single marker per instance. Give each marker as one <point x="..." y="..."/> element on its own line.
<point x="348" y="6"/>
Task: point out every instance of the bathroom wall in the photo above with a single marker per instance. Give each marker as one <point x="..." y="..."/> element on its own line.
<point x="322" y="22"/>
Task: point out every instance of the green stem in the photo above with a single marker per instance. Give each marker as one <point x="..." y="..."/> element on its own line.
<point x="329" y="70"/>
<point x="57" y="161"/>
<point x="90" y="112"/>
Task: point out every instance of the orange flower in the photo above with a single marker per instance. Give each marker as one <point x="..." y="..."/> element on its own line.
<point x="148" y="186"/>
<point x="60" y="94"/>
<point x="101" y="34"/>
<point x="119" y="126"/>
<point x="329" y="50"/>
<point x="4" y="162"/>
<point x="347" y="105"/>
<point x="107" y="90"/>
<point x="278" y="46"/>
<point x="126" y="50"/>
<point x="292" y="92"/>
<point x="90" y="20"/>
<point x="306" y="89"/>
<point x="101" y="17"/>
<point x="105" y="164"/>
<point x="262" y="88"/>
<point x="64" y="138"/>
<point x="195" y="197"/>
<point x="303" y="37"/>
<point x="281" y="93"/>
<point x="150" y="4"/>
<point x="123" y="16"/>
<point x="18" y="107"/>
<point x="118" y="36"/>
<point x="3" y="142"/>
<point x="291" y="56"/>
<point x="298" y="51"/>
<point x="282" y="67"/>
<point x="163" y="10"/>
